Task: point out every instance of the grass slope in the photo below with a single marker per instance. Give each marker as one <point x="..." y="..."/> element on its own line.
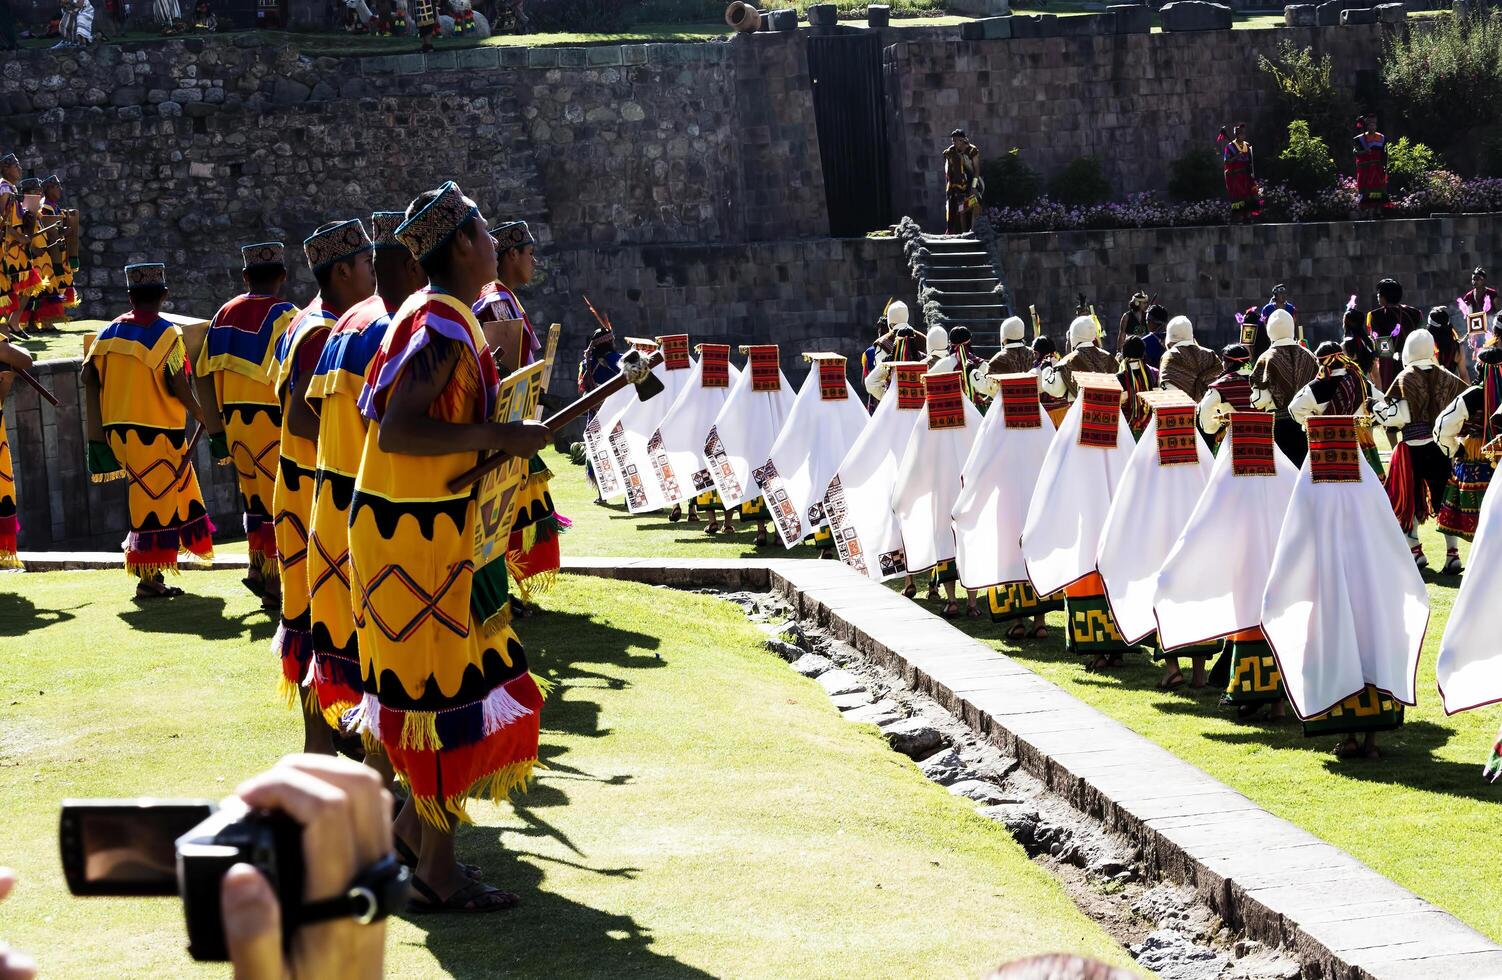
<point x="1423" y="817"/>
<point x="705" y="810"/>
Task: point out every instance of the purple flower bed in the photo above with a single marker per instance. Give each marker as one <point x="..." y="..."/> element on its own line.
<point x="1438" y="192"/>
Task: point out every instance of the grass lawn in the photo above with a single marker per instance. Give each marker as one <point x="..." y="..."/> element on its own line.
<point x="67" y="342"/>
<point x="1423" y="816"/>
<point x="705" y="810"/>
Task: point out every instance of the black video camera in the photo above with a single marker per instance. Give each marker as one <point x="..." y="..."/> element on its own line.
<point x="158" y="847"/>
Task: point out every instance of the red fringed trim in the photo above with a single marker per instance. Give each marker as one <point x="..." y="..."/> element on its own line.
<point x="543" y="557"/>
<point x="197" y="537"/>
<point x="294" y="648"/>
<point x="336" y="683"/>
<point x="1407" y="505"/>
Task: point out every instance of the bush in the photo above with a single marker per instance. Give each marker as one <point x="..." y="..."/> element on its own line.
<point x="1304" y="88"/>
<point x="1196" y="176"/>
<point x="1447" y="79"/>
<point x="1010" y="183"/>
<point x="1306" y="162"/>
<point x="1081" y="182"/>
<point x="1407" y="163"/>
<point x="581" y="15"/>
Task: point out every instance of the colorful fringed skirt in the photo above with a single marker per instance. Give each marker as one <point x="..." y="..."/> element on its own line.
<point x="254" y="435"/>
<point x="10" y="522"/>
<point x="1018" y="600"/>
<point x="1255" y="678"/>
<point x="1369" y="711"/>
<point x="533" y="548"/>
<point x="1090" y="628"/>
<point x="167" y="513"/>
<point x="1462" y="505"/>
<point x="293" y="505"/>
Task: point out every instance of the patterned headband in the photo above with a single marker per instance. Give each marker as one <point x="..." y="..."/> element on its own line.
<point x="264" y="253"/>
<point x="336" y="244"/>
<point x="431" y="227"/>
<point x="10" y="160"/>
<point x="383" y="226"/>
<point x="145" y="274"/>
<point x="513" y="234"/>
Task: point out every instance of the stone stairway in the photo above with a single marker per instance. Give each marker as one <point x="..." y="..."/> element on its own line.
<point x="957" y="284"/>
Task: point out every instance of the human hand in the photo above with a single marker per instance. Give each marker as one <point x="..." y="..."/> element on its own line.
<point x="345" y="814"/>
<point x="14" y="964"/>
<point x="523" y="439"/>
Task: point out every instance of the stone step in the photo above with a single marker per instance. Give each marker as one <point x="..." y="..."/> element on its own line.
<point x="970" y="309"/>
<point x="951" y="256"/>
<point x="964" y="297"/>
<point x="967" y="242"/>
<point x="962" y="274"/>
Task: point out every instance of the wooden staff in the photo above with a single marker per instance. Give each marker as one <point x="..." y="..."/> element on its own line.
<point x="30" y="379"/>
<point x="565" y="415"/>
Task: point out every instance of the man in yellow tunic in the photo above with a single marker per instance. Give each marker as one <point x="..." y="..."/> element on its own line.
<point x="334" y="394"/>
<point x="236" y="374"/>
<point x="140" y="395"/>
<point x="339" y="255"/>
<point x="455" y="709"/>
<point x="16" y="224"/>
<point x="10" y="525"/>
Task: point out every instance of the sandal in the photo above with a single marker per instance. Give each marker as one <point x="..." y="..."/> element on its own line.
<point x="473" y="897"/>
<point x="1172" y="681"/>
<point x="255" y="584"/>
<point x="909" y="591"/>
<point x="675" y="515"/>
<point x="951" y="610"/>
<point x="1017" y="632"/>
<point x="761" y="538"/>
<point x="713" y="527"/>
<point x="407" y="856"/>
<point x="972" y="611"/>
<point x="1040" y="632"/>
<point x="1348" y="749"/>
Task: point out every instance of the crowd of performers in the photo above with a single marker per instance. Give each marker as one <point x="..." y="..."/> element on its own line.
<point x="1368" y="150"/>
<point x="38" y="253"/>
<point x="345" y="418"/>
<point x="1226" y="508"/>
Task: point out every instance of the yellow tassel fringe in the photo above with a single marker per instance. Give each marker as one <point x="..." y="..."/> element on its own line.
<point x="420" y="731"/>
<point x="544" y="686"/>
<point x="107" y="477"/>
<point x="287" y="691"/>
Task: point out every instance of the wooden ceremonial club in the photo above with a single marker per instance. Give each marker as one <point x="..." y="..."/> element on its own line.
<point x="27" y="377"/>
<point x="646" y="389"/>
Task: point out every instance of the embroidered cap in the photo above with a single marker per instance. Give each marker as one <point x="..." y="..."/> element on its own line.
<point x="145" y="274"/>
<point x="383" y="226"/>
<point x="435" y="223"/>
<point x="52" y="180"/>
<point x="10" y="160"/>
<point x="512" y="234"/>
<point x="263" y="253"/>
<point x="335" y="243"/>
<point x="30" y="185"/>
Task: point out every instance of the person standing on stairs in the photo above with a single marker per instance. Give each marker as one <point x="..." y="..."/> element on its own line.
<point x="962" y="184"/>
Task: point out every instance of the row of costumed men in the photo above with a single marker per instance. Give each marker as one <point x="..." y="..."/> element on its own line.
<point x="1164" y="540"/>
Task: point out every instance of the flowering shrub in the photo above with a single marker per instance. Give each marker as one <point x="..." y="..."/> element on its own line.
<point x="1437" y="191"/>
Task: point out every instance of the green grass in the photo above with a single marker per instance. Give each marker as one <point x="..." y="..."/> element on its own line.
<point x="705" y="811"/>
<point x="66" y="342"/>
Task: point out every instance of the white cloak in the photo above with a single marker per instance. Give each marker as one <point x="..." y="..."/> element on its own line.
<point x="743" y="434"/>
<point x="927" y="486"/>
<point x="858" y="502"/>
<point x="682" y="432"/>
<point x="998" y="481"/>
<point x="1211" y="583"/>
<point x="1344" y="606"/>
<point x="813" y="441"/>
<point x="1147" y="515"/>
<point x="634" y="429"/>
<point x="1061" y="534"/>
<point x="597" y="442"/>
<point x="1470" y="657"/>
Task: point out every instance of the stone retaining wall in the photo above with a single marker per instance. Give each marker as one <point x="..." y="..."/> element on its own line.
<point x="1212" y="271"/>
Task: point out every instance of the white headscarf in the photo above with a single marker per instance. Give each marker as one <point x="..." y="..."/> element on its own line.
<point x="1081" y="331"/>
<point x="1280" y="325"/>
<point x="1180" y="329"/>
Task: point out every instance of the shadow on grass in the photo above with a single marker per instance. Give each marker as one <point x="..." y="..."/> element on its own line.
<point x="20" y="616"/>
<point x="198" y="615"/>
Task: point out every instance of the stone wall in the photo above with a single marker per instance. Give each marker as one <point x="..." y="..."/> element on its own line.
<point x="1209" y="273"/>
<point x="1134" y="101"/>
<point x="58" y="504"/>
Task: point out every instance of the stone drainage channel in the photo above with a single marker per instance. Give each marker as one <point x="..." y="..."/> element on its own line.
<point x="1161" y="924"/>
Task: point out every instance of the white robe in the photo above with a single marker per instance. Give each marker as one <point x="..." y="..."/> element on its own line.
<point x="1344" y="606"/>
<point x="858" y="502"/>
<point x="992" y="506"/>
<point x="597" y="442"/>
<point x="927" y="486"/>
<point x="1211" y="583"/>
<point x="682" y="430"/>
<point x="743" y="432"/>
<point x="634" y="429"/>
<point x="1061" y="535"/>
<point x="813" y="441"/>
<point x="1147" y="515"/>
<point x="1469" y="668"/>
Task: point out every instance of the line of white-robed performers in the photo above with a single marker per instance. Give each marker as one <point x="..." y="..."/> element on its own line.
<point x="1161" y="540"/>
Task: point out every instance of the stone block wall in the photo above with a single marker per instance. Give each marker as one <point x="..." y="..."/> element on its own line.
<point x="1211" y="272"/>
<point x="1135" y="102"/>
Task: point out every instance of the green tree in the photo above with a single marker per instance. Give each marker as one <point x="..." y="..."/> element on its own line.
<point x="1446" y="81"/>
<point x="1304" y="88"/>
<point x="1010" y="183"/>
<point x="1306" y="162"/>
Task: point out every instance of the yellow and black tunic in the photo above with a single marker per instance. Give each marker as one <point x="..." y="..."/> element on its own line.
<point x="239" y="354"/>
<point x="10" y="522"/>
<point x="296" y="354"/>
<point x="335" y="393"/>
<point x="143" y="428"/>
<point x="455" y="709"/>
<point x="17" y="279"/>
